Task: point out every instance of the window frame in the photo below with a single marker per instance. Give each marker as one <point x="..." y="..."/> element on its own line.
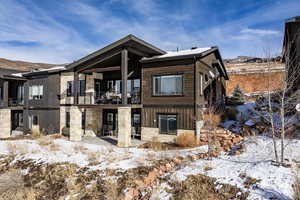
<point x="69" y="88"/>
<point x="82" y="92"/>
<point x="39" y="89"/>
<point x="167" y="95"/>
<point x="168" y="132"/>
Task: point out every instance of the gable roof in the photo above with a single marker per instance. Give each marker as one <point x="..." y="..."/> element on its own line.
<point x="128" y="41"/>
<point x="189" y="53"/>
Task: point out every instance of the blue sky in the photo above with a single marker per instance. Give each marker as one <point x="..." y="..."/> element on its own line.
<point x="61" y="31"/>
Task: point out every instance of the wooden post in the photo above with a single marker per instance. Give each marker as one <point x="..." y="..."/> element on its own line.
<point x="76" y="85"/>
<point x="124" y="71"/>
<point x="5" y="93"/>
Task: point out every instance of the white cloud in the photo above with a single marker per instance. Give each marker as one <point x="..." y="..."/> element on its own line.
<point x="261" y="32"/>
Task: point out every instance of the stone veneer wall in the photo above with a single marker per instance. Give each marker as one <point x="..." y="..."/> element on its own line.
<point x="94" y="120"/>
<point x="76" y="131"/>
<point x="152" y="134"/>
<point x="5" y="123"/>
<point x="64" y="78"/>
<point x="124" y="126"/>
<point x="90" y="87"/>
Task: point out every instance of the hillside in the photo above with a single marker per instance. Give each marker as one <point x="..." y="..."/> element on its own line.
<point x="22" y="65"/>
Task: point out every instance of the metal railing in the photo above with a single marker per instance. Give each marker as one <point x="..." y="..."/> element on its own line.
<point x="15" y="102"/>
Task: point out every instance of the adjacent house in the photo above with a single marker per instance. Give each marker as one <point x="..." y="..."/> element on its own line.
<point x="291" y="50"/>
<point x="129" y="88"/>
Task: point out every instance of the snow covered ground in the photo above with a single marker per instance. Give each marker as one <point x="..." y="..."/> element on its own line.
<point x="276" y="182"/>
<point x="83" y="154"/>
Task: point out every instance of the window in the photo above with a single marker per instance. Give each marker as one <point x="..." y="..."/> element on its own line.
<point x="68" y="119"/>
<point x="167" y="85"/>
<point x="36" y="92"/>
<point x="167" y="123"/>
<point x="69" y="88"/>
<point x="83" y="120"/>
<point x="201" y="83"/>
<point x="206" y="77"/>
<point x="1" y="93"/>
<point x="35" y="120"/>
<point x="82" y="87"/>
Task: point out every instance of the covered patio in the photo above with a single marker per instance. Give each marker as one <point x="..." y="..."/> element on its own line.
<point x="110" y="78"/>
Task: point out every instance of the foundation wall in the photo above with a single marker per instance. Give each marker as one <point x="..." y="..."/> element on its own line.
<point x="152" y="134"/>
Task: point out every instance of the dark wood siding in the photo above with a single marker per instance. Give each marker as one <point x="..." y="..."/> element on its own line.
<point x="47" y="109"/>
<point x="188" y="84"/>
<point x="184" y="116"/>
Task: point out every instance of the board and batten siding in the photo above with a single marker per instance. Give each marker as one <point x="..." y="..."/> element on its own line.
<point x="181" y="105"/>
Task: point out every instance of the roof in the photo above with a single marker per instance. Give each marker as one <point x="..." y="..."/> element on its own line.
<point x="128" y="41"/>
<point x="174" y="55"/>
<point x="293" y="19"/>
<point x="53" y="69"/>
<point x="180" y="53"/>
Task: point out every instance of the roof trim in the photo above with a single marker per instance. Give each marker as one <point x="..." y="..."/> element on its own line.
<point x="179" y="57"/>
<point x="112" y="46"/>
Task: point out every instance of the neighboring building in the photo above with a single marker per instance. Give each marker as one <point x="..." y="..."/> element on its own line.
<point x="291" y="48"/>
<point x="255" y="78"/>
<point x="128" y="88"/>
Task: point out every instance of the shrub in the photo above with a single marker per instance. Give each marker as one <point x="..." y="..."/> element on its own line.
<point x="237" y="98"/>
<point x="187" y="140"/>
<point x="296" y="187"/>
<point x="230" y="114"/>
<point x="36" y="132"/>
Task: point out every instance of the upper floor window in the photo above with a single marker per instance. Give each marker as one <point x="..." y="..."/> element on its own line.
<point x="36" y="92"/>
<point x="69" y="88"/>
<point x="82" y="88"/>
<point x="168" y="85"/>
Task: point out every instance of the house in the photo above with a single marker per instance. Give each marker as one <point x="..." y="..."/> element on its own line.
<point x="291" y="50"/>
<point x="129" y="88"/>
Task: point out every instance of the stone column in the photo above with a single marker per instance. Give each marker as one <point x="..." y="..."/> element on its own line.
<point x="75" y="124"/>
<point x="5" y="123"/>
<point x="124" y="126"/>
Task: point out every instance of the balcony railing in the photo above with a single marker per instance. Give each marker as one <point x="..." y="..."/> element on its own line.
<point x="15" y="102"/>
<point x="109" y="98"/>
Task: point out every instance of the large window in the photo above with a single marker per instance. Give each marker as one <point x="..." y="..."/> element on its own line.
<point x="69" y="88"/>
<point x="167" y="85"/>
<point x="36" y="92"/>
<point x="167" y="123"/>
<point x="82" y="87"/>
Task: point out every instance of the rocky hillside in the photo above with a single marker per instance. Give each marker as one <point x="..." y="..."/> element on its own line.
<point x="22" y="65"/>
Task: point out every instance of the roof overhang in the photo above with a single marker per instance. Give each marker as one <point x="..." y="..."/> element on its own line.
<point x="133" y="44"/>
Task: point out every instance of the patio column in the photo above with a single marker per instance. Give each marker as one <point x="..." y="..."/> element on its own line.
<point x="75" y="124"/>
<point x="124" y="71"/>
<point x="124" y="126"/>
<point x="5" y="125"/>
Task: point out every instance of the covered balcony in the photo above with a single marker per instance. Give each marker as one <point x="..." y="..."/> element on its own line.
<point x="112" y="75"/>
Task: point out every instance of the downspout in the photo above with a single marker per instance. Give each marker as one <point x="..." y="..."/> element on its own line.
<point x="195" y="98"/>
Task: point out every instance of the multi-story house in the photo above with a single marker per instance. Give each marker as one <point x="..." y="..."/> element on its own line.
<point x="291" y="52"/>
<point x="129" y="88"/>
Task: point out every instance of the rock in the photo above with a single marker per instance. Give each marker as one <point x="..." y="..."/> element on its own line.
<point x="15" y="133"/>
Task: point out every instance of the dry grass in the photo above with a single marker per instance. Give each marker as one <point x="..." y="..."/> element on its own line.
<point x="54" y="147"/>
<point x="200" y="187"/>
<point x="36" y="132"/>
<point x="12" y="187"/>
<point x="187" y="140"/>
<point x="44" y="141"/>
<point x="80" y="148"/>
<point x="93" y="156"/>
<point x="296" y="185"/>
<point x="11" y="148"/>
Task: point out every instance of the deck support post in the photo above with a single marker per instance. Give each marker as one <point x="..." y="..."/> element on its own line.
<point x="124" y="71"/>
<point x="75" y="124"/>
<point x="5" y="123"/>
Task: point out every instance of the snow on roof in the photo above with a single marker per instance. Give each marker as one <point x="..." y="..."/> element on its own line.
<point x="59" y="67"/>
<point x="180" y="53"/>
